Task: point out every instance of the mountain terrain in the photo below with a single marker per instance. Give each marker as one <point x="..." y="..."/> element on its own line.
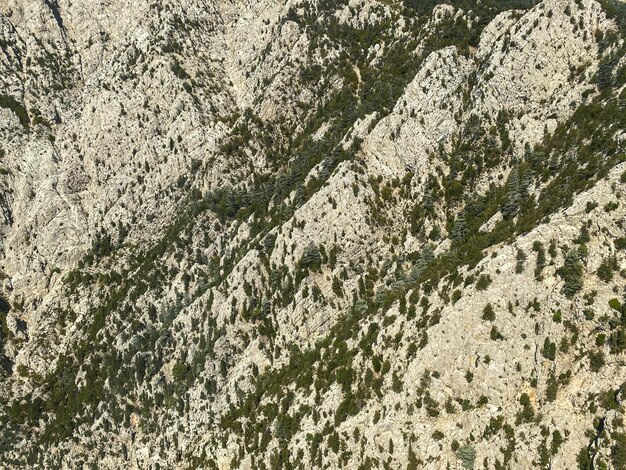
<point x="312" y="234"/>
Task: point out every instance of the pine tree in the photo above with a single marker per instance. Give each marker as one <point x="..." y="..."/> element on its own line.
<point x="459" y="230"/>
<point x="571" y="272"/>
<point x="511" y="203"/>
<point x="311" y="258"/>
<point x="526" y="181"/>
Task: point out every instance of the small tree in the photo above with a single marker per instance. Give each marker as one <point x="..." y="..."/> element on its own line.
<point x="521" y="257"/>
<point x="541" y="258"/>
<point x="551" y="390"/>
<point x="488" y="313"/>
<point x="571" y="272"/>
<point x="483" y="282"/>
<point x="549" y="349"/>
<point x="511" y="203"/>
<point x="459" y="230"/>
<point x="311" y="258"/>
<point x="606" y="268"/>
<point x="618" y="451"/>
<point x="596" y="361"/>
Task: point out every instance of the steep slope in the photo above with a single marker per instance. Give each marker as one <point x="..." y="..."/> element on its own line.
<point x="309" y="234"/>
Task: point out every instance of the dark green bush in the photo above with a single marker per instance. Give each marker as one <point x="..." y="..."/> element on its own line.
<point x="488" y="313"/>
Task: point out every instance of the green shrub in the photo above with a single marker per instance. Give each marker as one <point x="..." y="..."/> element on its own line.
<point x="557" y="441"/>
<point x="528" y="413"/>
<point x="337" y="287"/>
<point x="488" y="313"/>
<point x="467" y="456"/>
<point x="541" y="258"/>
<point x="583" y="459"/>
<point x="615" y="305"/>
<point x="618" y="451"/>
<point x="551" y="391"/>
<point x="606" y="269"/>
<point x="483" y="282"/>
<point x="596" y="361"/>
<point x="549" y="349"/>
<point x="571" y="272"/>
<point x="495" y="334"/>
<point x="311" y="258"/>
<point x="520" y="257"/>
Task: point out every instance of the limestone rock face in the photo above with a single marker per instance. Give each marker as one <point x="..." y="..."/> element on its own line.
<point x="312" y="234"/>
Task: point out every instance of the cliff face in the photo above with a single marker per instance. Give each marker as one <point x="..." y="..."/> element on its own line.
<point x="312" y="234"/>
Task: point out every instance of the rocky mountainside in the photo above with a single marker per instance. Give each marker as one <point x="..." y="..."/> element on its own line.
<point x="301" y="234"/>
